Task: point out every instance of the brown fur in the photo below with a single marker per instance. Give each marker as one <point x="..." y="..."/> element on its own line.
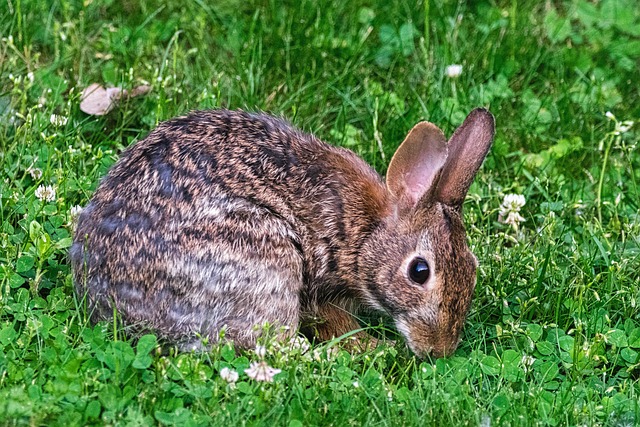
<point x="226" y="219"/>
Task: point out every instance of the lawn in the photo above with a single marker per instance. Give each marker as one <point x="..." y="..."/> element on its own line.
<point x="553" y="336"/>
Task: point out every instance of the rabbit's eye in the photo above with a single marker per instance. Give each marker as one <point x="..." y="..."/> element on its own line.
<point x="419" y="270"/>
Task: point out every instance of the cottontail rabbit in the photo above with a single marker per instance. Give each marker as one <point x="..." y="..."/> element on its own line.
<point x="232" y="219"/>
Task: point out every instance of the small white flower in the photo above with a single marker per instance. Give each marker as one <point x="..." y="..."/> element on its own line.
<point x="453" y="71"/>
<point x="46" y="193"/>
<point x="510" y="208"/>
<point x="514" y="202"/>
<point x="75" y="211"/>
<point x="300" y="344"/>
<point x="622" y="127"/>
<point x="485" y="421"/>
<point x="513" y="219"/>
<point x="36" y="173"/>
<point x="319" y="355"/>
<point x="528" y="360"/>
<point x="229" y="375"/>
<point x="356" y="384"/>
<point x="260" y="351"/>
<point x="57" y="120"/>
<point x="260" y="371"/>
<point x="30" y="77"/>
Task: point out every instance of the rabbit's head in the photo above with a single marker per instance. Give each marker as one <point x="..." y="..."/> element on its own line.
<point x="417" y="266"/>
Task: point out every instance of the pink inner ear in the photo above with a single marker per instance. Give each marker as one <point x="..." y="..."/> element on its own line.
<point x="418" y="182"/>
<point x="416" y="164"/>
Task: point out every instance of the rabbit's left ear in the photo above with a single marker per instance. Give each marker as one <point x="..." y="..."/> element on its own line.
<point x="415" y="167"/>
<point x="468" y="147"/>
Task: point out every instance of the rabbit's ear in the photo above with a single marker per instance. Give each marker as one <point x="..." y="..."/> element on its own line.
<point x="416" y="165"/>
<point x="467" y="147"/>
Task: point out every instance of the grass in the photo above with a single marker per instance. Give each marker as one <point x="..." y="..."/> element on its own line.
<point x="553" y="337"/>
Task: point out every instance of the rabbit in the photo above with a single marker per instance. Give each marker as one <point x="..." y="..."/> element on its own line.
<point x="229" y="220"/>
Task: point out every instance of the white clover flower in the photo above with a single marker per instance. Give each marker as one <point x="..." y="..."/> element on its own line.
<point x="622" y="127"/>
<point x="513" y="219"/>
<point x="46" y="193"/>
<point x="36" y="173"/>
<point x="260" y="371"/>
<point x="57" y="120"/>
<point x="528" y="360"/>
<point x="229" y="375"/>
<point x="300" y="344"/>
<point x="453" y="71"/>
<point x="75" y="211"/>
<point x="510" y="208"/>
<point x="318" y="355"/>
<point x="514" y="202"/>
<point x="260" y="351"/>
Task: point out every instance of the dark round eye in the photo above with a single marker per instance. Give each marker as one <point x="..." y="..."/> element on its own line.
<point x="419" y="270"/>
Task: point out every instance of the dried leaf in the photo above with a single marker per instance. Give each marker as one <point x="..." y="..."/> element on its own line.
<point x="140" y="90"/>
<point x="98" y="101"/>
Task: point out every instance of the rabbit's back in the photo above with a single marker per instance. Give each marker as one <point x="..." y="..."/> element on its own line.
<point x="194" y="229"/>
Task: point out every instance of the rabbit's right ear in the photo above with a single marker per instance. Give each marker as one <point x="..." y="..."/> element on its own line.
<point x="468" y="147"/>
<point x="415" y="167"/>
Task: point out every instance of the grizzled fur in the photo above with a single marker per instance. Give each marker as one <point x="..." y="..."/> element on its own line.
<point x="231" y="219"/>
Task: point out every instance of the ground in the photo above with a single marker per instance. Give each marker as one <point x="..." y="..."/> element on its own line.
<point x="553" y="337"/>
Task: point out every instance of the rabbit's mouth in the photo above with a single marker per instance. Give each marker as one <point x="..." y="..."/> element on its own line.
<point x="425" y="340"/>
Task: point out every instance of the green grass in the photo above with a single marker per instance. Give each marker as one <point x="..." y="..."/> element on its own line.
<point x="553" y="337"/>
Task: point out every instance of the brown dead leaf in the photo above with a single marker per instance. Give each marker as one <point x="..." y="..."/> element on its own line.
<point x="140" y="90"/>
<point x="98" y="101"/>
